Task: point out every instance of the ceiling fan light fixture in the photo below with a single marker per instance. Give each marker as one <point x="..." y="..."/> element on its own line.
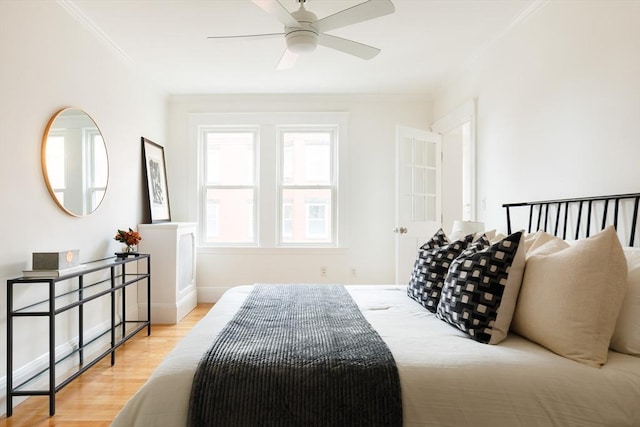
<point x="303" y="30"/>
<point x="301" y="40"/>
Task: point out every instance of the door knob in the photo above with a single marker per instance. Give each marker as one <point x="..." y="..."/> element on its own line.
<point x="401" y="230"/>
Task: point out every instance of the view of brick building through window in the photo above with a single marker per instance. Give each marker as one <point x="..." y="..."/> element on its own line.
<point x="305" y="187"/>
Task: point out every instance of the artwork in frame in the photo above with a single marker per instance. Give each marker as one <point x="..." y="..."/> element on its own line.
<point x="156" y="174"/>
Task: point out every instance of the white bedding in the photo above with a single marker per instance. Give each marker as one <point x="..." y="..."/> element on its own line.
<point x="447" y="379"/>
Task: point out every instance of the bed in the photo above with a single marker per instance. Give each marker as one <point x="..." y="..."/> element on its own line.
<point x="449" y="379"/>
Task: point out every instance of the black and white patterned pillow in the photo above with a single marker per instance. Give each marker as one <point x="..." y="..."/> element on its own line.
<point x="430" y="269"/>
<point x="437" y="240"/>
<point x="438" y="261"/>
<point x="416" y="281"/>
<point x="481" y="288"/>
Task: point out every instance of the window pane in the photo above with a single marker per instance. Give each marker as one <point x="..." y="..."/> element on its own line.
<point x="100" y="165"/>
<point x="419" y="207"/>
<point x="55" y="161"/>
<point x="418" y="180"/>
<point x="307" y="158"/>
<point x="229" y="216"/>
<point x="307" y="216"/>
<point x="419" y="158"/>
<point x="287" y="219"/>
<point x="431" y="154"/>
<point x="230" y="158"/>
<point x="96" y="197"/>
<point x="431" y="181"/>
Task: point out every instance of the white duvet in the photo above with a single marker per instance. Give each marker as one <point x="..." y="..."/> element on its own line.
<point x="447" y="379"/>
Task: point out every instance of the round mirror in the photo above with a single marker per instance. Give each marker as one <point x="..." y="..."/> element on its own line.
<point x="74" y="162"/>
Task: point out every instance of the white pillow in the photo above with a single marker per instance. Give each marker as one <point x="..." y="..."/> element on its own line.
<point x="569" y="300"/>
<point x="546" y="245"/>
<point x="626" y="335"/>
<point x="533" y="241"/>
<point x="496" y="238"/>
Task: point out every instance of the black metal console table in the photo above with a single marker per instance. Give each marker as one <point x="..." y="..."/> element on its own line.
<point x="108" y="277"/>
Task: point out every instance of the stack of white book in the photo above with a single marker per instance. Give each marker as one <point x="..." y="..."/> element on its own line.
<point x="53" y="273"/>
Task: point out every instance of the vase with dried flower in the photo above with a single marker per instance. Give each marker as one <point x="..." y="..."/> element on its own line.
<point x="131" y="239"/>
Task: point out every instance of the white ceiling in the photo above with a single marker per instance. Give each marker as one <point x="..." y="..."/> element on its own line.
<point x="422" y="43"/>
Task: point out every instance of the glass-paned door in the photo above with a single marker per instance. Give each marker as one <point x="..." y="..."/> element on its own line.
<point x="418" y="199"/>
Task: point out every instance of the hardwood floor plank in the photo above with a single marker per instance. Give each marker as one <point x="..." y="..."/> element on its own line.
<point x="95" y="397"/>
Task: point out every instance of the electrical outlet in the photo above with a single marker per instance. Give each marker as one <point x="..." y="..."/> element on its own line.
<point x="353" y="272"/>
<point x="323" y="271"/>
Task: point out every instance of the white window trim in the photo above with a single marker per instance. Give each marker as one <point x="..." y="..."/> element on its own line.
<point x="268" y="225"/>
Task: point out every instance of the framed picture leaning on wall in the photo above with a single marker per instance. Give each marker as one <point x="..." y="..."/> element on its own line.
<point x="157" y="188"/>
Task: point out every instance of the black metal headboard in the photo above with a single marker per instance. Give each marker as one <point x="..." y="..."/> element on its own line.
<point x="566" y="215"/>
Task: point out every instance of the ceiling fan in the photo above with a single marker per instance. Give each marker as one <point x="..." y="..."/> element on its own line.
<point x="303" y="31"/>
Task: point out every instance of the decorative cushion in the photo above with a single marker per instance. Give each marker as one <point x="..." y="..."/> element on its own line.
<point x="490" y="234"/>
<point x="570" y="299"/>
<point x="496" y="238"/>
<point x="481" y="288"/>
<point x="416" y="281"/>
<point x="437" y="240"/>
<point x="533" y="241"/>
<point x="543" y="243"/>
<point x="437" y="262"/>
<point x="626" y="335"/>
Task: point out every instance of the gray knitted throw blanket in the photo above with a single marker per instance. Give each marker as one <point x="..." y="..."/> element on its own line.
<point x="297" y="355"/>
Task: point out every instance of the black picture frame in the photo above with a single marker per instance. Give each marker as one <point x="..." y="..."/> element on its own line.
<point x="155" y="171"/>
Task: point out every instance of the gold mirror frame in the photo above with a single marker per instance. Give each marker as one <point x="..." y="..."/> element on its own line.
<point x="74" y="160"/>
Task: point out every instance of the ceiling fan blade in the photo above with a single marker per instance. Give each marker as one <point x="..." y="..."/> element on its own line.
<point x="348" y="46"/>
<point x="273" y="7"/>
<point x="358" y="13"/>
<point x="244" y="36"/>
<point x="287" y="61"/>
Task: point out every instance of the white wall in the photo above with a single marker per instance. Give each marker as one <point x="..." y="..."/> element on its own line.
<point x="371" y="190"/>
<point x="452" y="153"/>
<point x="558" y="102"/>
<point x="48" y="60"/>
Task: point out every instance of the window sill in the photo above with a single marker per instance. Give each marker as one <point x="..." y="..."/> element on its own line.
<point x="272" y="251"/>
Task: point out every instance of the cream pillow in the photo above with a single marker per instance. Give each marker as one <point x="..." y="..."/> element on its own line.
<point x="569" y="300"/>
<point x="547" y="246"/>
<point x="496" y="238"/>
<point x="533" y="241"/>
<point x="626" y="336"/>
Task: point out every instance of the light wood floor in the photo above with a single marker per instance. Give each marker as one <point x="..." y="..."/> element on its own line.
<point x="95" y="397"/>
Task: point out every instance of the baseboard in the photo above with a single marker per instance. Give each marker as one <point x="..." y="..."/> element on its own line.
<point x="211" y="293"/>
<point x="167" y="313"/>
<point x="187" y="303"/>
<point x="41" y="363"/>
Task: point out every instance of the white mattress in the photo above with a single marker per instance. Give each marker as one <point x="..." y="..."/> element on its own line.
<point x="447" y="379"/>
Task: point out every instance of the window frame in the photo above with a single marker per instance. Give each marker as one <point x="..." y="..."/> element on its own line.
<point x="268" y="206"/>
<point x="205" y="186"/>
<point x="331" y="185"/>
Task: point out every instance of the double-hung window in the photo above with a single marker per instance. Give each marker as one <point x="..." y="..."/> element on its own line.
<point x="307" y="188"/>
<point x="229" y="186"/>
<point x="271" y="180"/>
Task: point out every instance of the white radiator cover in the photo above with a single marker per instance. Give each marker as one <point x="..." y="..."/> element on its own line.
<point x="172" y="246"/>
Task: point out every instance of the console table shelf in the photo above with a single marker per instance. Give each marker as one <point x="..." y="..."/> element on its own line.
<point x="115" y="275"/>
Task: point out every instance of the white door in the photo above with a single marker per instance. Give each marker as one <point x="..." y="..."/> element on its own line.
<point x="418" y="200"/>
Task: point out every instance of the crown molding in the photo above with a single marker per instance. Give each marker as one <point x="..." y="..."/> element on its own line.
<point x="480" y="52"/>
<point x="89" y="24"/>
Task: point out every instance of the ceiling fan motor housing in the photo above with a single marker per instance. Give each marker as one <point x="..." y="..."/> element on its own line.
<point x="303" y="38"/>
